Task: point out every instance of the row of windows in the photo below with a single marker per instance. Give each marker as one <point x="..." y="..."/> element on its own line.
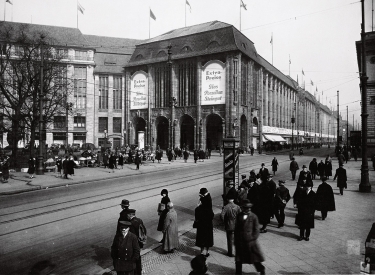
<point x="117" y="92"/>
<point x="80" y="122"/>
<point x="103" y="124"/>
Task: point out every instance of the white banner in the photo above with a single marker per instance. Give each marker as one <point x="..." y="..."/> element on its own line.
<point x="139" y="91"/>
<point x="141" y="140"/>
<point x="213" y="83"/>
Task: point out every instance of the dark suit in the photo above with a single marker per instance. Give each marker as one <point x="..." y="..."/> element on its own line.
<point x="263" y="172"/>
<point x="306" y="209"/>
<point x="134" y="228"/>
<point x="341" y="179"/>
<point x="125" y="252"/>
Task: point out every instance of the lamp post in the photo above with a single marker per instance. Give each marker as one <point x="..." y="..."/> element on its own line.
<point x="105" y="139"/>
<point x="329" y="123"/>
<point x="293" y="121"/>
<point x="40" y="169"/>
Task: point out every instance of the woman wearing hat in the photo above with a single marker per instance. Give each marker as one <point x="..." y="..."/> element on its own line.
<point x="203" y="221"/>
<point x="246" y="234"/>
<point x="163" y="210"/>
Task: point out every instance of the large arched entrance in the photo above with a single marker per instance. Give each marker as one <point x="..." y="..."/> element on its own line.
<point x="214" y="131"/>
<point x="243" y="134"/>
<point x="139" y="125"/>
<point x="162" y="132"/>
<point x="187" y="131"/>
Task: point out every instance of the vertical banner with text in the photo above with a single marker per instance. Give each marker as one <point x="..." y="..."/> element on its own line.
<point x="213" y="83"/>
<point x="139" y="91"/>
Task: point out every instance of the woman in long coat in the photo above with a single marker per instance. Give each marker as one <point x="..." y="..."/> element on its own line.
<point x="203" y="219"/>
<point x="246" y="234"/>
<point x="31" y="169"/>
<point x="328" y="168"/>
<point x="163" y="212"/>
<point x="121" y="161"/>
<point x="170" y="229"/>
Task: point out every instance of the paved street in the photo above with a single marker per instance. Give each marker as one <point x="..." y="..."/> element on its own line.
<point x="335" y="245"/>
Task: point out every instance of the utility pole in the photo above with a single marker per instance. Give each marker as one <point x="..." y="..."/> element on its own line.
<point x="365" y="185"/>
<point x="338" y="120"/>
<point x="347" y="129"/>
<point x="40" y="169"/>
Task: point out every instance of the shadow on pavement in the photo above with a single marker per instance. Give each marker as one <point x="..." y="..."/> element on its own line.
<point x="42" y="267"/>
<point x="284" y="234"/>
<point x="102" y="256"/>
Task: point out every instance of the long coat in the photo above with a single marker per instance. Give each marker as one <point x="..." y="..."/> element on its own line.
<point x="205" y="230"/>
<point x="263" y="174"/>
<point x="170" y="230"/>
<point x="325" y="200"/>
<point x="125" y="252"/>
<point x="321" y="169"/>
<point x="121" y="160"/>
<point x="313" y="167"/>
<point x="253" y="197"/>
<point x="341" y="177"/>
<point x="274" y="165"/>
<point x="70" y="167"/>
<point x="293" y="166"/>
<point x="328" y="168"/>
<point x="31" y="164"/>
<point x="163" y="214"/>
<point x="246" y="234"/>
<point x="228" y="215"/>
<point x="306" y="209"/>
<point x="265" y="204"/>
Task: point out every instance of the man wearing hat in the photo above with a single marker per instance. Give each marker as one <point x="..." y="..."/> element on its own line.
<point x="293" y="167"/>
<point x="123" y="214"/>
<point x="306" y="209"/>
<point x="228" y="216"/>
<point x="246" y="234"/>
<point x="136" y="223"/>
<point x="125" y="250"/>
<point x="341" y="178"/>
<point x="231" y="192"/>
<point x="325" y="199"/>
<point x="304" y="175"/>
<point x="281" y="199"/>
<point x="263" y="171"/>
<point x="265" y="204"/>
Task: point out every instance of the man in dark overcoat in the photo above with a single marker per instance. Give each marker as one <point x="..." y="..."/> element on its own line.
<point x="134" y="228"/>
<point x="325" y="200"/>
<point x="282" y="197"/>
<point x="313" y="167"/>
<point x="71" y="164"/>
<point x="274" y="165"/>
<point x="265" y="205"/>
<point x="306" y="209"/>
<point x="253" y="195"/>
<point x="125" y="250"/>
<point x="196" y="155"/>
<point x="293" y="167"/>
<point x="341" y="178"/>
<point x="65" y="167"/>
<point x="246" y="234"/>
<point x="263" y="172"/>
<point x="304" y="175"/>
<point x="321" y="169"/>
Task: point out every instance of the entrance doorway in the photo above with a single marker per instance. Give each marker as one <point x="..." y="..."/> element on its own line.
<point x="162" y="132"/>
<point x="243" y="134"/>
<point x="187" y="132"/>
<point x="214" y="132"/>
<point x="139" y="125"/>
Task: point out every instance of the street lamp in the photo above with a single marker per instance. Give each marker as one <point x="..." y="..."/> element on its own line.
<point x="105" y="139"/>
<point x="293" y="121"/>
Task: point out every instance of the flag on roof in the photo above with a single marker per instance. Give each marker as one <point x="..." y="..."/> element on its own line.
<point x="242" y="5"/>
<point x="152" y="15"/>
<point x="187" y="3"/>
<point x="290" y="62"/>
<point x="312" y="83"/>
<point x="80" y="8"/>
<point x="271" y="39"/>
<point x="303" y="72"/>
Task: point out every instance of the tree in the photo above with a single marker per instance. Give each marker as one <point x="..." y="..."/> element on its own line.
<point x="20" y="70"/>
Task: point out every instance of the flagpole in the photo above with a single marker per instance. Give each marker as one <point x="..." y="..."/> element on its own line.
<point x="5" y="7"/>
<point x="149" y="15"/>
<point x="185" y="12"/>
<point x="240" y="14"/>
<point x="272" y="48"/>
<point x="77" y="12"/>
<point x="289" y="65"/>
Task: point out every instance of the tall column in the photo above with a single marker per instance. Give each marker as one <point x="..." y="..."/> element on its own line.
<point x="199" y="105"/>
<point x="266" y="92"/>
<point x="270" y="101"/>
<point x="260" y="126"/>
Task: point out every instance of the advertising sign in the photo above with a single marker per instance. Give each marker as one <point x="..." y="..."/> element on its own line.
<point x="213" y="83"/>
<point x="141" y="139"/>
<point x="139" y="91"/>
<point x="231" y="164"/>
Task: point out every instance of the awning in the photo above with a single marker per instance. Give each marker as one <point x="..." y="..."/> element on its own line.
<point x="275" y="138"/>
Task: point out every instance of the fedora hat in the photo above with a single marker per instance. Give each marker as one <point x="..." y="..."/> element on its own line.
<point x="125" y="203"/>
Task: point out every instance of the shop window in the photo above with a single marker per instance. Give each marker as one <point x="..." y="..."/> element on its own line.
<point x="79" y="122"/>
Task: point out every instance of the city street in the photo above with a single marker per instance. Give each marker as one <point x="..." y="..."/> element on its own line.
<point x="70" y="229"/>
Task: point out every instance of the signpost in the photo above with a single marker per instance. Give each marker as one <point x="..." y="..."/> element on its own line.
<point x="231" y="162"/>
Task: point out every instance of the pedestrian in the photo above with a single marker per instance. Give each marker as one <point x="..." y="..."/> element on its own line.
<point x="321" y="169"/>
<point x="196" y="155"/>
<point x="355" y="153"/>
<point x="304" y="175"/>
<point x="346" y="154"/>
<point x="135" y="228"/>
<point x="158" y="154"/>
<point x="186" y="155"/>
<point x="105" y="160"/>
<point x="111" y="162"/>
<point x="203" y="222"/>
<point x="263" y="171"/>
<point x="71" y="165"/>
<point x="231" y="192"/>
<point x="274" y="165"/>
<point x="313" y="167"/>
<point x="137" y="159"/>
<point x="121" y="161"/>
<point x="341" y="158"/>
<point x="31" y="169"/>
<point x="246" y="234"/>
<point x="293" y="167"/>
<point x="291" y="154"/>
<point x="281" y="199"/>
<point x="125" y="250"/>
<point x="328" y="168"/>
<point x="199" y="265"/>
<point x="228" y="216"/>
<point x="306" y="209"/>
<point x="5" y="170"/>
<point x="325" y="200"/>
<point x="265" y="204"/>
<point x="373" y="161"/>
<point x="202" y="155"/>
<point x="244" y="181"/>
<point x="65" y="167"/>
<point x="252" y="150"/>
<point x="163" y="210"/>
<point x="170" y="229"/>
<point x="123" y="214"/>
<point x="341" y="178"/>
<point x="59" y="166"/>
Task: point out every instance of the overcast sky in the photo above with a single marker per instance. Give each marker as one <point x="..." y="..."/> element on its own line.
<point x="319" y="35"/>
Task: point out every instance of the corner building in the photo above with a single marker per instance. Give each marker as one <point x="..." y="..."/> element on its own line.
<point x="209" y="84"/>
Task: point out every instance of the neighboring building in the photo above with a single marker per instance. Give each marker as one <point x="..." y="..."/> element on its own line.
<point x="211" y="83"/>
<point x="370" y="72"/>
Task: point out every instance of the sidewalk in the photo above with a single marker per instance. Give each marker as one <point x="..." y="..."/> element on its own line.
<point x="336" y="245"/>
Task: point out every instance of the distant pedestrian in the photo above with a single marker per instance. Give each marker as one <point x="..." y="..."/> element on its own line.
<point x="251" y="150"/>
<point x="121" y="161"/>
<point x="355" y="153"/>
<point x="125" y="250"/>
<point x="341" y="158"/>
<point x="202" y="155"/>
<point x="105" y="160"/>
<point x="263" y="171"/>
<point x="306" y="209"/>
<point x="71" y="165"/>
<point x="112" y="161"/>
<point x="135" y="228"/>
<point x="321" y="169"/>
<point x="373" y="161"/>
<point x="328" y="168"/>
<point x="325" y="200"/>
<point x="228" y="216"/>
<point x="137" y="159"/>
<point x="274" y="165"/>
<point x="341" y="178"/>
<point x="59" y="167"/>
<point x="313" y="167"/>
<point x="186" y="155"/>
<point x="163" y="210"/>
<point x="304" y="175"/>
<point x="293" y="167"/>
<point x="5" y="170"/>
<point x="245" y="235"/>
<point x="196" y="155"/>
<point x="203" y="219"/>
<point x="65" y="167"/>
<point x="31" y="169"/>
<point x="281" y="199"/>
<point x="170" y="229"/>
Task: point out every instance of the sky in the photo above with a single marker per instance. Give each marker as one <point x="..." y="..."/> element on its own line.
<point x="317" y="36"/>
